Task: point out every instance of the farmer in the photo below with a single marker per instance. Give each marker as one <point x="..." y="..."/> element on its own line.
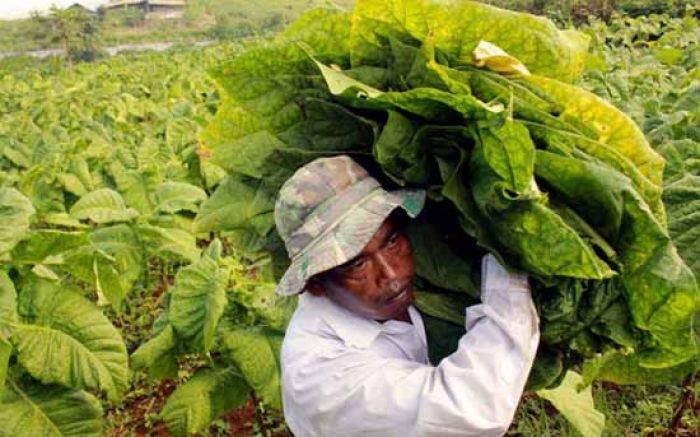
<point x="355" y="358"/>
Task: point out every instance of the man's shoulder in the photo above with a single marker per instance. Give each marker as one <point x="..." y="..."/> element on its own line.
<point x="308" y="331"/>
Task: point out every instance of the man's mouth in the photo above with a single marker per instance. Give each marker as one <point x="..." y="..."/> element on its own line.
<point x="398" y="295"/>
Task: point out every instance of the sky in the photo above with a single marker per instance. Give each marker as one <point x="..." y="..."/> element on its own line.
<point x="10" y="9"/>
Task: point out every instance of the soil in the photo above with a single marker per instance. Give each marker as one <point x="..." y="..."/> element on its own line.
<point x="243" y="422"/>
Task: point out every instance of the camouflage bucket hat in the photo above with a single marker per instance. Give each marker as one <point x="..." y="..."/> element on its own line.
<point x="328" y="211"/>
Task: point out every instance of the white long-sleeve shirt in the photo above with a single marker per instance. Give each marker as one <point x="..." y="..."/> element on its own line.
<point x="344" y="375"/>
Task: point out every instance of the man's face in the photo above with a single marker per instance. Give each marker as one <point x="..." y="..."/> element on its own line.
<point x="377" y="283"/>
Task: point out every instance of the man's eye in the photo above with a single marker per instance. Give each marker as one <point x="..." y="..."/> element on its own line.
<point x="358" y="263"/>
<point x="393" y="239"/>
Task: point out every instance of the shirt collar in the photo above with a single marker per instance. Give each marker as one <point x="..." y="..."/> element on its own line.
<point x="353" y="329"/>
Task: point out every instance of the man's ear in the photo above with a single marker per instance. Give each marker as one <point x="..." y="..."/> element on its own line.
<point x="315" y="287"/>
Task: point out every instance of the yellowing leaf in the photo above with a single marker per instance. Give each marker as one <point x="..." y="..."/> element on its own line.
<point x="495" y="58"/>
<point x="577" y="407"/>
<point x="339" y="82"/>
<point x="614" y="128"/>
<point x="459" y="26"/>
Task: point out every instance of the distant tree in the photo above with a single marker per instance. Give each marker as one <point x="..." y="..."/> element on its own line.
<point x="73" y="28"/>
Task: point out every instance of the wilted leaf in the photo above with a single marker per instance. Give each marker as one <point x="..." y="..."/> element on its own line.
<point x="577" y="407"/>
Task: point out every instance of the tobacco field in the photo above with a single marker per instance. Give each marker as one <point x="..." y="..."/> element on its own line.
<point x="138" y="258"/>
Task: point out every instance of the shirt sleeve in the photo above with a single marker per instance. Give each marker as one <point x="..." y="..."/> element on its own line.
<point x="472" y="392"/>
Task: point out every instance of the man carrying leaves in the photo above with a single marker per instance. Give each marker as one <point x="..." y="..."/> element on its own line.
<point x="355" y="357"/>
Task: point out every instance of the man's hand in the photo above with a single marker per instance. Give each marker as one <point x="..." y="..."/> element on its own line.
<point x="495" y="276"/>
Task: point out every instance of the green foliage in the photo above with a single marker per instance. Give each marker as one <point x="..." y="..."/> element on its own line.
<point x="49" y="411"/>
<point x="257" y="355"/>
<point x="553" y="179"/>
<point x="198" y="300"/>
<point x="208" y="394"/>
<point x="107" y="191"/>
<point x="73" y="29"/>
<point x="89" y="202"/>
<point x="63" y="338"/>
<point x="201" y="319"/>
<point x="102" y="206"/>
<point x="15" y="212"/>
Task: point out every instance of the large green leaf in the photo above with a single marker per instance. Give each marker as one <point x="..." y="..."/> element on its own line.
<point x="8" y="314"/>
<point x="529" y="231"/>
<point x="442" y="306"/>
<point x="661" y="291"/>
<point x="8" y="300"/>
<point x="267" y="82"/>
<point x="198" y="299"/>
<point x="49" y="411"/>
<point x="427" y="102"/>
<point x="237" y="203"/>
<point x="112" y="262"/>
<point x="438" y="263"/>
<point x="272" y="157"/>
<point x="173" y="197"/>
<point x="256" y="354"/>
<point x="266" y="86"/>
<point x="458" y="27"/>
<point x="45" y="251"/>
<point x="206" y="396"/>
<point x="48" y="246"/>
<point x="327" y="29"/>
<point x="102" y="206"/>
<point x="158" y="355"/>
<point x="682" y="198"/>
<point x="171" y="241"/>
<point x="136" y="185"/>
<point x="621" y="368"/>
<point x="5" y="353"/>
<point x="510" y="153"/>
<point x="15" y="213"/>
<point x="576" y="406"/>
<point x="63" y="338"/>
<point x="393" y="149"/>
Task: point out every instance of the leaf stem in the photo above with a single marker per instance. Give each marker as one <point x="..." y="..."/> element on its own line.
<point x="687" y="399"/>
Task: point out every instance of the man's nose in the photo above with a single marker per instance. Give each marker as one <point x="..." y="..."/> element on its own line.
<point x="387" y="270"/>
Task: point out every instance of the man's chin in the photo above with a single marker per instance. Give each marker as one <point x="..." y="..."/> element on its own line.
<point x="398" y="305"/>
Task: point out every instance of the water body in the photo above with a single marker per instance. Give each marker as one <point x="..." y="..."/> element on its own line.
<point x="157" y="46"/>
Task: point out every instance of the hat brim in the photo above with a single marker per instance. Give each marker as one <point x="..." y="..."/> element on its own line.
<point x="349" y="236"/>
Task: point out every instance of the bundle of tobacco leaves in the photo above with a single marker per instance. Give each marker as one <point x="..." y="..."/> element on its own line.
<point x="475" y="105"/>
